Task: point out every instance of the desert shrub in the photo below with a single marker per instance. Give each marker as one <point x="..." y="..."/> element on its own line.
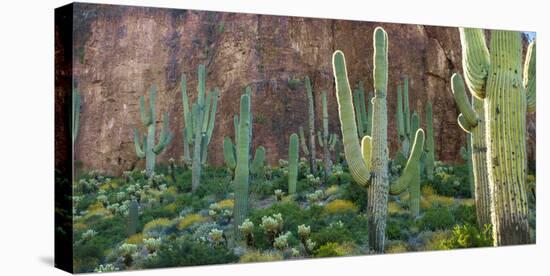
<point x="333" y="249"/>
<point x="135" y="239"/>
<point x="257" y="256"/>
<point x="355" y="193"/>
<point x="432" y="240"/>
<point x="183" y="181"/>
<point x="468" y="236"/>
<point x="451" y="180"/>
<point x="397" y="226"/>
<point x="436" y="218"/>
<point x="184" y="252"/>
<point x="465" y="214"/>
<point x="396" y="247"/>
<point x="157" y="227"/>
<point x="395" y="208"/>
<point x="189" y="220"/>
<point x="340" y="206"/>
<point x="262" y="187"/>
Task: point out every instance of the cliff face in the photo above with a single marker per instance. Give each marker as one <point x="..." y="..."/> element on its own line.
<point x="119" y="52"/>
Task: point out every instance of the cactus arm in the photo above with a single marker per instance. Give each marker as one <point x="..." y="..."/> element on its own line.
<point x="165" y="135"/>
<point x="463" y="123"/>
<point x="187" y="115"/>
<point x="530" y="76"/>
<point x="359" y="118"/>
<point x="140" y="152"/>
<point x="406" y="109"/>
<point x="293" y="157"/>
<point x="352" y="150"/>
<point x="400" y="119"/>
<point x="369" y="115"/>
<point x="410" y="173"/>
<point x="475" y="60"/>
<point x="236" y="127"/>
<point x="229" y="153"/>
<point x="206" y="112"/>
<point x="258" y="161"/>
<point x="363" y="107"/>
<point x="415" y="125"/>
<point x="366" y="149"/>
<point x="303" y="141"/>
<point x="144" y="112"/>
<point x="468" y="114"/>
<point x="212" y="117"/>
<point x="311" y="123"/>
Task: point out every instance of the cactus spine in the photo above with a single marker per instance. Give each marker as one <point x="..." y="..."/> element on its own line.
<point x="430" y="144"/>
<point x="495" y="78"/>
<point x="368" y="163"/>
<point x="76" y="114"/>
<point x="293" y="156"/>
<point x="148" y="149"/>
<point x="240" y="181"/>
<point x="199" y="124"/>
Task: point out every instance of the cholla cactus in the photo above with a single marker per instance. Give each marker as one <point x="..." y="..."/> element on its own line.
<point x="279" y="194"/>
<point x="315" y="197"/>
<point x="310" y="246"/>
<point x="281" y="242"/>
<point x="295" y="252"/>
<point x="127" y="251"/>
<point x="216" y="236"/>
<point x="304" y="231"/>
<point x="246" y="229"/>
<point x="103" y="199"/>
<point x="106" y="268"/>
<point x="272" y="225"/>
<point x="313" y="179"/>
<point x="152" y="244"/>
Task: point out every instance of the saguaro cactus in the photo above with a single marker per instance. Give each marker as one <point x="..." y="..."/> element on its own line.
<point x="495" y="78"/>
<point x="258" y="163"/>
<point x="368" y="163"/>
<point x="404" y="131"/>
<point x="199" y="124"/>
<point x="311" y="126"/>
<point x="327" y="141"/>
<point x="76" y="114"/>
<point x="363" y="114"/>
<point x="240" y="181"/>
<point x="148" y="149"/>
<point x="133" y="217"/>
<point x="466" y="154"/>
<point x="429" y="147"/>
<point x="293" y="157"/>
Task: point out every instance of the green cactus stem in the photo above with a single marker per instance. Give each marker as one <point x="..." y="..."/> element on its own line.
<point x="430" y="144"/>
<point x="258" y="163"/>
<point x="241" y="179"/>
<point x="133" y="217"/>
<point x="148" y="149"/>
<point x="311" y="126"/>
<point x="495" y="77"/>
<point x="368" y="163"/>
<point x="293" y="156"/>
<point x="229" y="154"/>
<point x="466" y="154"/>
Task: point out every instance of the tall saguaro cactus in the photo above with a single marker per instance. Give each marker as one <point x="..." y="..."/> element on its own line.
<point x="199" y="124"/>
<point x="327" y="141"/>
<point x="293" y="156"/>
<point x="148" y="149"/>
<point x="363" y="112"/>
<point x="495" y="77"/>
<point x="472" y="120"/>
<point x="242" y="170"/>
<point x="368" y="162"/>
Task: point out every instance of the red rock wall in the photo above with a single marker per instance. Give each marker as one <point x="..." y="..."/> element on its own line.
<point x="121" y="51"/>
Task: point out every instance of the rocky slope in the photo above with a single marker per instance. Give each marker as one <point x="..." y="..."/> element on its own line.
<point x="119" y="52"/>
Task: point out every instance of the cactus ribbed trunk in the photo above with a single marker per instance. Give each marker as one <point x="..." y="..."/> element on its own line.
<point x="293" y="157"/>
<point x="506" y="108"/>
<point x="196" y="166"/>
<point x="326" y="146"/>
<point x="377" y="204"/>
<point x="240" y="181"/>
<point x="479" y="165"/>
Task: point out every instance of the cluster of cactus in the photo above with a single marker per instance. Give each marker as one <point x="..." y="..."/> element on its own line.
<point x="199" y="119"/>
<point x="326" y="140"/>
<point x="496" y="120"/>
<point x="146" y="148"/>
<point x="76" y="114"/>
<point x="368" y="162"/>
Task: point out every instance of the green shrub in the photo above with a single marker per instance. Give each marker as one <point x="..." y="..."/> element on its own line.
<point x="465" y="214"/>
<point x="185" y="252"/>
<point x="398" y="226"/>
<point x="356" y="193"/>
<point x="436" y="218"/>
<point x="468" y="236"/>
<point x="333" y="249"/>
